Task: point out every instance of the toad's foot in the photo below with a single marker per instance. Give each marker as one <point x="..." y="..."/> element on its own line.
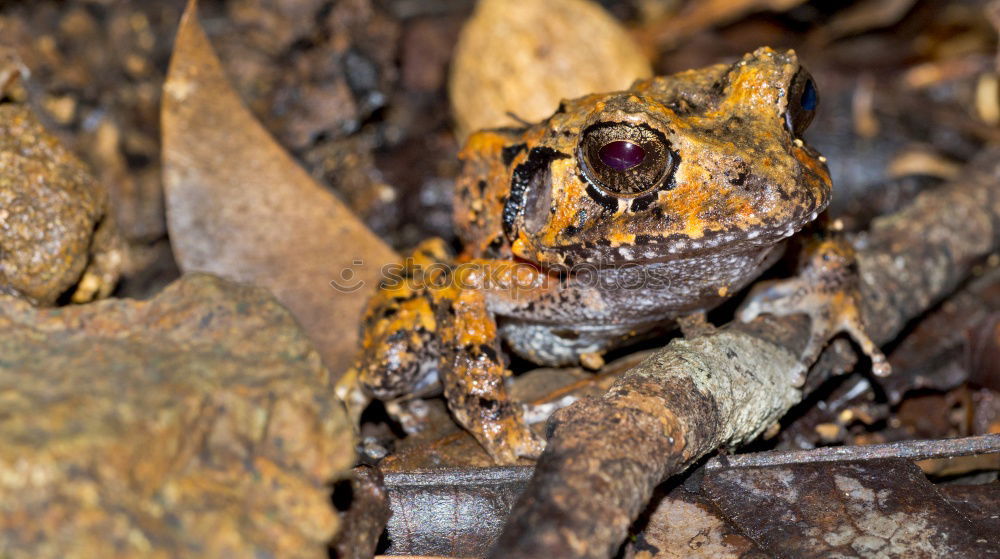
<point x="826" y="290"/>
<point x="352" y="394"/>
<point x="477" y="397"/>
<point x="695" y="324"/>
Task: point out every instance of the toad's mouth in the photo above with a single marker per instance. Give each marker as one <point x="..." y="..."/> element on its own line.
<point x="657" y="250"/>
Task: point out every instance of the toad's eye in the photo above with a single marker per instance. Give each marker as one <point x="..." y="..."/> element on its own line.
<point x="625" y="160"/>
<point x="803" y="98"/>
<point x="621" y="155"/>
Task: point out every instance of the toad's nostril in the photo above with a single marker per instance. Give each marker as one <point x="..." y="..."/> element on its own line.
<point x="622" y="155"/>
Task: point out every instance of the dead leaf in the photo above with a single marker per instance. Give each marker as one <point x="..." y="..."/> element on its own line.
<point x="239" y="206"/>
<point x="679" y="524"/>
<point x="450" y="512"/>
<point x="524" y="56"/>
<point x="864" y="508"/>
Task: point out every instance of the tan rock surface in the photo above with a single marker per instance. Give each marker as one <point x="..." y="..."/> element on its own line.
<point x="198" y="424"/>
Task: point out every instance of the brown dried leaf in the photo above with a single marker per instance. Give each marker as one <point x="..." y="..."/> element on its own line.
<point x="979" y="503"/>
<point x="524" y="56"/>
<point x="239" y="206"/>
<point x="875" y="507"/>
<point x="683" y="525"/>
<point x="788" y="501"/>
<point x="451" y="512"/>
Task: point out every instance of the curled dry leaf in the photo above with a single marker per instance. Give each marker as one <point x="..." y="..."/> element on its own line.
<point x="239" y="206"/>
<point x="523" y="57"/>
<point x="452" y="512"/>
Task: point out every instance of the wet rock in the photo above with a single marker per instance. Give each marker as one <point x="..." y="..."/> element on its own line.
<point x="55" y="232"/>
<point x="96" y="72"/>
<point x="198" y="423"/>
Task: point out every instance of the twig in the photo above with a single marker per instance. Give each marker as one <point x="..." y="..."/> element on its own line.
<point x="913" y="450"/>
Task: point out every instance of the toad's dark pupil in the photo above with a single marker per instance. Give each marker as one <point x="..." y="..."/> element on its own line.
<point x="621" y="155"/>
<point x="809" y="99"/>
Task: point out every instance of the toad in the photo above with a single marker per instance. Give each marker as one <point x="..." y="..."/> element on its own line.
<point x="618" y="214"/>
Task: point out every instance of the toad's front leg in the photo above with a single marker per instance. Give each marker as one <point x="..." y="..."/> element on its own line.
<point x="430" y="324"/>
<point x="474" y="376"/>
<point x="826" y="289"/>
